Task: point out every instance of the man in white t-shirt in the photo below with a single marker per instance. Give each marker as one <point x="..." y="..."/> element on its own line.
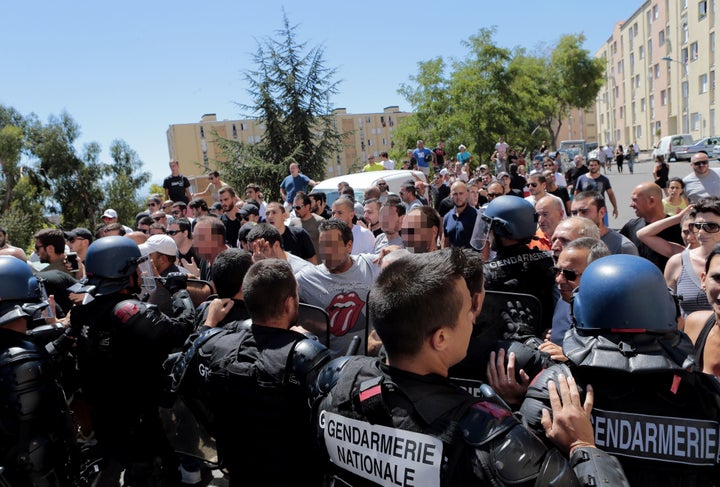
<point x="363" y="239"/>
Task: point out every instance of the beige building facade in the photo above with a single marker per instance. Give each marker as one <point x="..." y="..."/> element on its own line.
<point x="660" y="68"/>
<point x="194" y="144"/>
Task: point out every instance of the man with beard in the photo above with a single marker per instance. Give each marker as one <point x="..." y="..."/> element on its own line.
<point x="230" y="218"/>
<point x="594" y="181"/>
<point x="421" y="229"/>
<point x="340" y="284"/>
<point x="458" y="225"/>
<point x="591" y="205"/>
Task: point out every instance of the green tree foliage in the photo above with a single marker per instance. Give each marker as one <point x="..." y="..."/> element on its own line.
<point x="290" y="87"/>
<point x="126" y="179"/>
<point x="495" y="92"/>
<point x="43" y="174"/>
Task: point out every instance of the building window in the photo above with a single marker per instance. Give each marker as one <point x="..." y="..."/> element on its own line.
<point x="620" y="67"/>
<point x="702" y="9"/>
<point x="685" y="30"/>
<point x="641" y="52"/>
<point x="663" y="98"/>
<point x="643" y="105"/>
<point x="632" y="63"/>
<point x="652" y="106"/>
<point x="637" y="81"/>
<point x="635" y="29"/>
<point x="656" y="12"/>
<point x="622" y="112"/>
<point x="694" y="51"/>
<point x="242" y="127"/>
<point x="202" y="132"/>
<point x="649" y="19"/>
<point x="657" y="71"/>
<point x="703" y="83"/>
<point x="661" y="38"/>
<point x="638" y="132"/>
<point x="695" y="120"/>
<point x="712" y="48"/>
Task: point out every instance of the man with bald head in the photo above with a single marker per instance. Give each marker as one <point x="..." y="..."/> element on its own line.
<point x="458" y="225"/>
<point x="646" y="200"/>
<point x="571" y="229"/>
<point x="550" y="212"/>
<point x="363" y="239"/>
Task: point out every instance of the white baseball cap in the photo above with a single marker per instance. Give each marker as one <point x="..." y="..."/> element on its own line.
<point x="163" y="244"/>
<point x="110" y="213"/>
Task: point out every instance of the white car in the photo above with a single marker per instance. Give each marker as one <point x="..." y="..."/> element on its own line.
<point x="716" y="152"/>
<point x="359" y="182"/>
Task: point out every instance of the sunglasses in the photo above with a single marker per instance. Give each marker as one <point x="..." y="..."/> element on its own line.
<point x="172" y="232"/>
<point x="175" y="212"/>
<point x="547" y="165"/>
<point x="158" y="218"/>
<point x="567" y="273"/>
<point x="708" y="227"/>
<point x="152" y="205"/>
<point x="298" y="207"/>
<point x="494" y="195"/>
<point x="701" y="163"/>
<point x="534" y="185"/>
<point x="72" y="239"/>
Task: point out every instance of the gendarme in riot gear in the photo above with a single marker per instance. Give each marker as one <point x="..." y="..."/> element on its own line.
<point x="122" y="344"/>
<point x="508" y="224"/>
<point x="653" y="408"/>
<point x="37" y="435"/>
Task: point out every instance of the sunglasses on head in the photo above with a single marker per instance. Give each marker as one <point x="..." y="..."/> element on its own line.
<point x="569" y="275"/>
<point x="708" y="227"/>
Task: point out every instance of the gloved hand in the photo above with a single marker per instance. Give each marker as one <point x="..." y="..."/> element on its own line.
<point x="518" y="320"/>
<point x="175" y="281"/>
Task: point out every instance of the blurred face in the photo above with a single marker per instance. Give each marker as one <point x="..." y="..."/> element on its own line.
<point x="700" y="164"/>
<point x="153" y="206"/>
<point x="160" y="217"/>
<point x="206" y="245"/>
<point x="333" y="252"/>
<point x="371" y="214"/>
<point x="473" y="196"/>
<point x="587" y="209"/>
<point x="342" y="212"/>
<point x="675" y="189"/>
<point x="494" y="190"/>
<point x="174" y="168"/>
<point x="227" y="201"/>
<point x="390" y="222"/>
<point x="417" y="235"/>
<point x="711" y="284"/>
<point x="573" y="262"/>
<point x="705" y="235"/>
<point x="383" y="186"/>
<point x="549" y="215"/>
<point x="294" y="169"/>
<point x="459" y="195"/>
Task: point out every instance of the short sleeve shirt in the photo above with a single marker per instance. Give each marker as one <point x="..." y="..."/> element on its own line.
<point x="600" y="184"/>
<point x="423" y="157"/>
<point x="292" y="185"/>
<point x="175" y="186"/>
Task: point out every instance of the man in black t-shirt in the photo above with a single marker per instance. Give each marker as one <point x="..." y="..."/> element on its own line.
<point x="177" y="186"/>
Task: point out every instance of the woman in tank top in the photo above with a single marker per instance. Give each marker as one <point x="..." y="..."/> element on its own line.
<point x="702" y="326"/>
<point x="683" y="271"/>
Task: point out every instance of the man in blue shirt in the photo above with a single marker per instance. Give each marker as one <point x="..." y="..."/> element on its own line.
<point x="293" y="183"/>
<point x="458" y="225"/>
<point x="424" y="157"/>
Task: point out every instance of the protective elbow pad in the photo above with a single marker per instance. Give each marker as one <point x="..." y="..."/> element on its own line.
<point x="596" y="467"/>
<point x="328" y="376"/>
<point x="537" y="397"/>
<point x="182" y="303"/>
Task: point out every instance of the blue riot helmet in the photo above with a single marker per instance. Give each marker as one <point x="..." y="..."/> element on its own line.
<point x="109" y="262"/>
<point x="506" y="216"/>
<point x="624" y="294"/>
<point x="17" y="286"/>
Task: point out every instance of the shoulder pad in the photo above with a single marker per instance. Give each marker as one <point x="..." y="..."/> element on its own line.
<point x="329" y="375"/>
<point x="181" y="364"/>
<point x="308" y="356"/>
<point x="125" y="310"/>
<point x="485" y="420"/>
<point x="537" y="397"/>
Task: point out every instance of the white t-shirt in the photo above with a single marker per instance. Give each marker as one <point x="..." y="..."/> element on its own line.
<point x="363" y="240"/>
<point x="343" y="296"/>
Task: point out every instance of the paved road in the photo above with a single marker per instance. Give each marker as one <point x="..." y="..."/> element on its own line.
<point x="623" y="185"/>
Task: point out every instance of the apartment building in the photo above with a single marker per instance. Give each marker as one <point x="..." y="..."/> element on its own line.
<point x="194" y="144"/>
<point x="659" y="74"/>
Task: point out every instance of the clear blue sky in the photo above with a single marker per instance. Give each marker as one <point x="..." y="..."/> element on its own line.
<point x="127" y="70"/>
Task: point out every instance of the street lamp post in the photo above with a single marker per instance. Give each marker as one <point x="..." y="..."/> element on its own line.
<point x="688" y="113"/>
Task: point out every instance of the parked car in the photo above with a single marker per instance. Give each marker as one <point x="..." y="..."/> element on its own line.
<point x="706" y="146"/>
<point x="666" y="146"/>
<point x="716" y="152"/>
<point x="359" y="182"/>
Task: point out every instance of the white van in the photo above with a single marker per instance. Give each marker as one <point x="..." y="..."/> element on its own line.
<point x="666" y="144"/>
<point x="359" y="182"/>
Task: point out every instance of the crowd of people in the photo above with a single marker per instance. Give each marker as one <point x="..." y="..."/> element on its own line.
<point x="480" y="326"/>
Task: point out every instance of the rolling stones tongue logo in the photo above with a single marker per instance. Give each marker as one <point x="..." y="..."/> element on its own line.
<point x="344" y="310"/>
